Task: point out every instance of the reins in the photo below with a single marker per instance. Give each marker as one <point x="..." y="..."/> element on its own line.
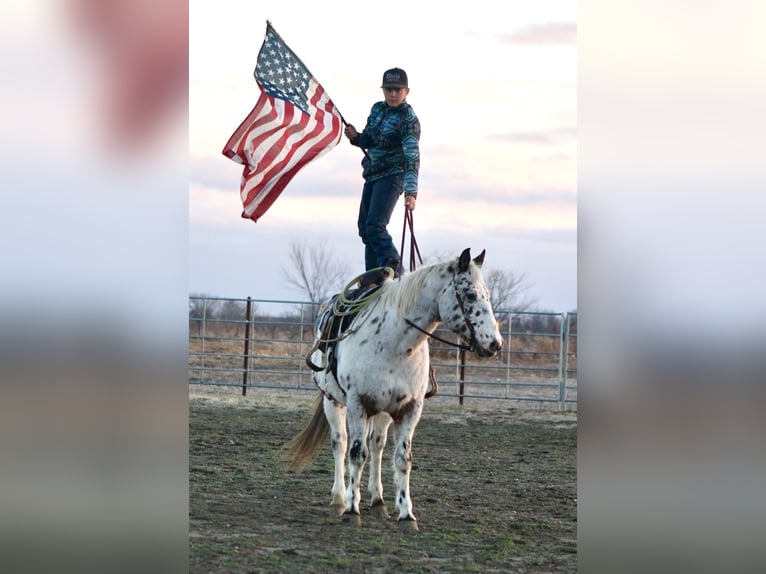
<point x="414" y="250"/>
<point x="408" y="220"/>
<point x="445" y="341"/>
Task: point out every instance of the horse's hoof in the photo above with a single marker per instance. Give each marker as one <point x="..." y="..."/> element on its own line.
<point x="351" y="519"/>
<point x="336" y="510"/>
<point x="337" y="500"/>
<point x="408" y="525"/>
<point x="379" y="510"/>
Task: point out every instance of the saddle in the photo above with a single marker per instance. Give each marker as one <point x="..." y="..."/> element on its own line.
<point x="336" y="314"/>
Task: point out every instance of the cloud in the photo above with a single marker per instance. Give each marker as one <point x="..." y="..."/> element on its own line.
<point x="214" y="171"/>
<point x="502" y="193"/>
<point x="327" y="177"/>
<point x="548" y="34"/>
<point x="551" y="137"/>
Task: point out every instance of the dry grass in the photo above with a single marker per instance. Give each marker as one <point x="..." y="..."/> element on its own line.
<point x="527" y="366"/>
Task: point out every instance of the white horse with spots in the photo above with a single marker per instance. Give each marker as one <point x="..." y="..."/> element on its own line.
<point x="381" y="376"/>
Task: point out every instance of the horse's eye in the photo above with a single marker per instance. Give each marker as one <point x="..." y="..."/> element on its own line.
<point x="470" y="297"/>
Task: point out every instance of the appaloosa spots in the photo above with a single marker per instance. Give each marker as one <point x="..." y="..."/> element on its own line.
<point x="404" y="410"/>
<point x="369" y="404"/>
<point x="431" y="291"/>
<point x="358" y="454"/>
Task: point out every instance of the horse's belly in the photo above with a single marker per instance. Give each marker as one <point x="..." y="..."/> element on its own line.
<point x="385" y="386"/>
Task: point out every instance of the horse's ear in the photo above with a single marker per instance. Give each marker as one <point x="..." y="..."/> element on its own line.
<point x="465" y="260"/>
<point x="479" y="259"/>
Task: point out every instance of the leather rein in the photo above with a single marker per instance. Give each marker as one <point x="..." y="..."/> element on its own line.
<point x="408" y="220"/>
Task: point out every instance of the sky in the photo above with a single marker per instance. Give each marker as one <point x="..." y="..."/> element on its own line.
<point x="495" y="89"/>
<point x="99" y="253"/>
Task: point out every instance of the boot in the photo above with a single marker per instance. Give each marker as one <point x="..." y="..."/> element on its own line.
<point x="374" y="277"/>
<point x="396" y="264"/>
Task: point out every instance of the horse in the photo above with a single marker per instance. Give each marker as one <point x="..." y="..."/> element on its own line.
<point x="380" y="374"/>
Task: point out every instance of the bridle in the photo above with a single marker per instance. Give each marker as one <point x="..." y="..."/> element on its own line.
<point x="471" y="328"/>
<point x="408" y="221"/>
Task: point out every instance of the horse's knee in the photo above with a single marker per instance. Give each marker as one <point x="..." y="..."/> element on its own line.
<point x="403" y="458"/>
<point x="338" y="443"/>
<point x="358" y="452"/>
<point x="377" y="441"/>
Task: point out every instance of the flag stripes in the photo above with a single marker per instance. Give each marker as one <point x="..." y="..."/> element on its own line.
<point x="278" y="137"/>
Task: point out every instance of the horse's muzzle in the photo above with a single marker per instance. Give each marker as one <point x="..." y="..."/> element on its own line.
<point x="490" y="350"/>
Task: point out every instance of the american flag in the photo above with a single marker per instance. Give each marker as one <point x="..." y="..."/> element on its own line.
<point x="293" y="123"/>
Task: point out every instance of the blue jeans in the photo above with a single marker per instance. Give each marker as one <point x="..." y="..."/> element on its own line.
<point x="379" y="198"/>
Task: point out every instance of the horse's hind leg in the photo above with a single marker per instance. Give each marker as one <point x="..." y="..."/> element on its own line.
<point x="336" y="416"/>
<point x="404" y="429"/>
<point x="378" y="436"/>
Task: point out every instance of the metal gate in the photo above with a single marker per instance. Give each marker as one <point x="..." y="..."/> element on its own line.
<point x="261" y="343"/>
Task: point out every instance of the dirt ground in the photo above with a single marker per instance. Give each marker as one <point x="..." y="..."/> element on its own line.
<point x="494" y="490"/>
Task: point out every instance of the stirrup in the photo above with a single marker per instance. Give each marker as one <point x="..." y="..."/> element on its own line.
<point x="310" y="363"/>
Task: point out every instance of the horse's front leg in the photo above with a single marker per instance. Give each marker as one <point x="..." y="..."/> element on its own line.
<point x="358" y="425"/>
<point x="404" y="429"/>
<point x="336" y="416"/>
<point x="378" y="436"/>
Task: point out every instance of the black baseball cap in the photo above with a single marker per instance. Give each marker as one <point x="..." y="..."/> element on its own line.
<point x="394" y="78"/>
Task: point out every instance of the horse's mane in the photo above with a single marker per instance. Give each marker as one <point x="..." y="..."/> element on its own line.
<point x="403" y="292"/>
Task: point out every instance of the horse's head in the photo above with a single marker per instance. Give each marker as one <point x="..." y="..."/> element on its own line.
<point x="465" y="307"/>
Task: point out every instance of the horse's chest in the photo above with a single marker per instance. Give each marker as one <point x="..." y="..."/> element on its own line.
<point x="385" y="358"/>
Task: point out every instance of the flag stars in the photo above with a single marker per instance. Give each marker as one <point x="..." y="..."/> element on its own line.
<point x="281" y="73"/>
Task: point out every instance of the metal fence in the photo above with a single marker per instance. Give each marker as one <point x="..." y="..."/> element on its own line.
<point x="258" y="343"/>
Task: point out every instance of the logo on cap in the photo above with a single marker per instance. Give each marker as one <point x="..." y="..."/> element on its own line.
<point x="394" y="78"/>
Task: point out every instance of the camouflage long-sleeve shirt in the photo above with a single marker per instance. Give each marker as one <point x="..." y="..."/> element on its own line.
<point x="391" y="138"/>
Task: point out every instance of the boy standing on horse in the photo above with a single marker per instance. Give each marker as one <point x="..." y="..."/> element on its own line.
<point x="390" y="167"/>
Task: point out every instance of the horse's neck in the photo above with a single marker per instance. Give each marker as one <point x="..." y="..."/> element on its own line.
<point x="424" y="313"/>
<point x="426" y="306"/>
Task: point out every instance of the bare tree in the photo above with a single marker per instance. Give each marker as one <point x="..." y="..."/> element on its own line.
<point x="235" y="313"/>
<point x="315" y="272"/>
<point x="201" y="308"/>
<point x="507" y="289"/>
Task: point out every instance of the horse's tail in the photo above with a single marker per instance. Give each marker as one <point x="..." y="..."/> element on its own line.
<point x="303" y="447"/>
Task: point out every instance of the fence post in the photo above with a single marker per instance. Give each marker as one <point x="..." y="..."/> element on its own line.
<point x="462" y="375"/>
<point x="508" y="354"/>
<point x="563" y="339"/>
<point x="300" y="347"/>
<point x="202" y="339"/>
<point x="246" y="364"/>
